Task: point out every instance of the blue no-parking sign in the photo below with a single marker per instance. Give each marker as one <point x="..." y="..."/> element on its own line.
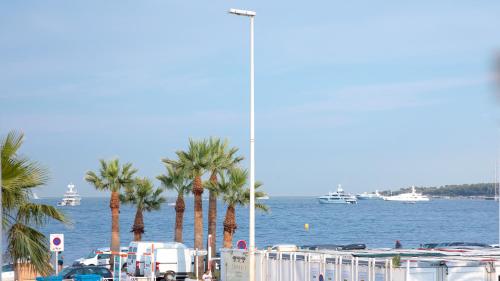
<point x="57" y="242"/>
<point x="241" y="244"/>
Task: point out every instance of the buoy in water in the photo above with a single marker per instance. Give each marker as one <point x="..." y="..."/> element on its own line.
<point x="306" y="226"/>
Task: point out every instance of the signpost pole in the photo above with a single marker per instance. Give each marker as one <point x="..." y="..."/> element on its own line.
<point x="56" y="262"/>
<point x="57" y="245"/>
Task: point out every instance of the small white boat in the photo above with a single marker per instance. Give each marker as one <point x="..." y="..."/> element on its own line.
<point x="338" y="197"/>
<point x="265" y="197"/>
<point x="411" y="197"/>
<point x="369" y="196"/>
<point x="35" y="196"/>
<point x="71" y="197"/>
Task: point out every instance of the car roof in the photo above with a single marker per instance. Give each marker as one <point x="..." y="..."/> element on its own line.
<point x="87" y="266"/>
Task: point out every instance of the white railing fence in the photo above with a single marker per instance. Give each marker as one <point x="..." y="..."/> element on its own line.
<point x="304" y="266"/>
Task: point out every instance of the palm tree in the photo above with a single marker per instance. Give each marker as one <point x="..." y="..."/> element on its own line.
<point x="26" y="246"/>
<point x="222" y="158"/>
<point x="235" y="194"/>
<point x="194" y="162"/>
<point x="112" y="177"/>
<point x="143" y="195"/>
<point x="177" y="180"/>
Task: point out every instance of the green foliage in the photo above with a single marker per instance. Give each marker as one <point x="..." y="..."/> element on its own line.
<point x="176" y="179"/>
<point x="396" y="261"/>
<point x="456" y="190"/>
<point x="234" y="192"/>
<point x="20" y="216"/>
<point x="195" y="161"/>
<point x="111" y="175"/>
<point x="222" y="158"/>
<point x="142" y="194"/>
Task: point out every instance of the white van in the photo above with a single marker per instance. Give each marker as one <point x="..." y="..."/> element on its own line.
<point x="135" y="259"/>
<point x="99" y="256"/>
<point x="170" y="262"/>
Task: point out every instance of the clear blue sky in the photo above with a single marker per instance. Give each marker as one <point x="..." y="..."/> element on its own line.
<point x="362" y="93"/>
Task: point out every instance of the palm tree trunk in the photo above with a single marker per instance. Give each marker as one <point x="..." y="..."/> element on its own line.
<point x="180" y="206"/>
<point x="24" y="271"/>
<point x="198" y="219"/>
<point x="114" y="205"/>
<point x="229" y="226"/>
<point x="138" y="227"/>
<point x="212" y="214"/>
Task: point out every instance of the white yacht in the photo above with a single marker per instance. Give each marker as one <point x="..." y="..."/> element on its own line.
<point x="338" y="197"/>
<point x="71" y="197"/>
<point x="412" y="196"/>
<point x="369" y="196"/>
<point x="265" y="197"/>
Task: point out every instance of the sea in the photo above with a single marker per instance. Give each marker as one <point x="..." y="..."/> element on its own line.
<point x="372" y="222"/>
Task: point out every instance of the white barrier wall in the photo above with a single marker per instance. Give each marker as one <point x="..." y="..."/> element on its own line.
<point x="299" y="266"/>
<point x="311" y="266"/>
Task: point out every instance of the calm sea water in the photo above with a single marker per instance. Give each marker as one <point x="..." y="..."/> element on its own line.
<point x="375" y="223"/>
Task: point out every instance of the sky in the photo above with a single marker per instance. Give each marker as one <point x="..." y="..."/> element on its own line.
<point x="370" y="95"/>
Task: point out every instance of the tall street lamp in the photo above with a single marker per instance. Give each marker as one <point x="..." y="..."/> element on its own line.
<point x="1" y="220"/>
<point x="251" y="217"/>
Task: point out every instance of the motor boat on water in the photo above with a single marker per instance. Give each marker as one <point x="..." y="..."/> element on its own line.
<point x="369" y="196"/>
<point x="71" y="197"/>
<point x="265" y="197"/>
<point x="338" y="197"/>
<point x="410" y="197"/>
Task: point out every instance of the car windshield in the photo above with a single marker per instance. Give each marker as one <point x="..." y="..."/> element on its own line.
<point x="103" y="256"/>
<point x="65" y="271"/>
<point x="91" y="255"/>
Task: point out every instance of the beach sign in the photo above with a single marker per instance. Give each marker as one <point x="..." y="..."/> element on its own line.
<point x="56" y="242"/>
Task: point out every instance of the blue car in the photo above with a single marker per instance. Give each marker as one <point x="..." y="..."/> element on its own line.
<point x="71" y="271"/>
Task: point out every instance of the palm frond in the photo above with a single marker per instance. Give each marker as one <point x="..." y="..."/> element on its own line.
<point x="20" y="215"/>
<point x="176" y="178"/>
<point x="39" y="214"/>
<point x="26" y="244"/>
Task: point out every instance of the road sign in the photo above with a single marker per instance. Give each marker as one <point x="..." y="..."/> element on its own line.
<point x="241" y="244"/>
<point x="57" y="242"/>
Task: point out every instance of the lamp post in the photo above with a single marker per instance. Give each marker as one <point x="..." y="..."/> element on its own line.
<point x="1" y="220"/>
<point x="251" y="217"/>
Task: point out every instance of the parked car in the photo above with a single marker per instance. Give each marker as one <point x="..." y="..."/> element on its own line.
<point x="172" y="261"/>
<point x="71" y="271"/>
<point x="100" y="257"/>
<point x="8" y="272"/>
<point x="135" y="260"/>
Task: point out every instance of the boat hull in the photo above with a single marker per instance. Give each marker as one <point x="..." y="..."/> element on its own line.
<point x="406" y="200"/>
<point x="339" y="201"/>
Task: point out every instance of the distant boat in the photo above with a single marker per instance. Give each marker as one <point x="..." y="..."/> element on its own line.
<point x="369" y="196"/>
<point x="171" y="204"/>
<point x="71" y="197"/>
<point x="412" y="197"/>
<point x="35" y="196"/>
<point x="338" y="197"/>
<point x="265" y="197"/>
